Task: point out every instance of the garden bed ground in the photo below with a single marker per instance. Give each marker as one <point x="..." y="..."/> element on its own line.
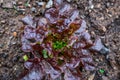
<point x="102" y="17"/>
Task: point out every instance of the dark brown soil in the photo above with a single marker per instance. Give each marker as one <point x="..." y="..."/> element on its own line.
<point x="102" y="17"/>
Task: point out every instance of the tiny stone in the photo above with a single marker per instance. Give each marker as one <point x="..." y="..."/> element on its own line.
<point x="33" y="9"/>
<point x="101" y="59"/>
<point x="21" y="10"/>
<point x="49" y="4"/>
<point x="92" y="32"/>
<point x="41" y="3"/>
<point x="103" y="28"/>
<point x="15" y="69"/>
<point x="101" y="8"/>
<point x="3" y="21"/>
<point x="101" y="18"/>
<point x="92" y="6"/>
<point x="97" y="60"/>
<point x="14" y="34"/>
<point x="90" y="10"/>
<point x="117" y="16"/>
<point x="115" y="68"/>
<point x="20" y="3"/>
<point x="109" y="15"/>
<point x="86" y="30"/>
<point x="98" y="6"/>
<point x="69" y="0"/>
<point x="107" y="10"/>
<point x="112" y="4"/>
<point x="108" y="4"/>
<point x="23" y="13"/>
<point x="13" y="43"/>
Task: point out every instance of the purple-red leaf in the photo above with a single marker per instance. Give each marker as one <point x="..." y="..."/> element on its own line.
<point x="59" y="43"/>
<point x="28" y="20"/>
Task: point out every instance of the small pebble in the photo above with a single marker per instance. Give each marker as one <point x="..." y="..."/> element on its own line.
<point x="92" y="6"/>
<point x="49" y="4"/>
<point x="108" y="4"/>
<point x="14" y="34"/>
<point x="21" y="9"/>
<point x="98" y="6"/>
<point x="69" y="0"/>
<point x="101" y="18"/>
<point x="13" y="43"/>
<point x="103" y="28"/>
<point x="33" y="9"/>
<point x="97" y="60"/>
<point x="92" y="32"/>
<point x="3" y="21"/>
<point x="20" y="3"/>
<point x="89" y="10"/>
<point x="15" y="69"/>
<point x="41" y="3"/>
<point x="112" y="4"/>
<point x="109" y="15"/>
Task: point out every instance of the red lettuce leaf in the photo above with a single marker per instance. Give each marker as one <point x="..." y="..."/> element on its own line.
<point x="60" y="24"/>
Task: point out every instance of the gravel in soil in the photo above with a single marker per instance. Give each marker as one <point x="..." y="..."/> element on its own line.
<point x="102" y="17"/>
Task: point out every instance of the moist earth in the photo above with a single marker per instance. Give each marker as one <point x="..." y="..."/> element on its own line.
<point x="103" y="20"/>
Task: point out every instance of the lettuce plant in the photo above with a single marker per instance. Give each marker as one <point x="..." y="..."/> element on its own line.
<point x="60" y="45"/>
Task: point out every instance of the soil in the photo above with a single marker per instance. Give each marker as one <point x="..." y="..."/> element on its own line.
<point x="103" y="20"/>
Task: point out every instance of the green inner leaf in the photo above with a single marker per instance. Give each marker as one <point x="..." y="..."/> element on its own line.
<point x="45" y="54"/>
<point x="59" y="44"/>
<point x="101" y="71"/>
<point x="25" y="57"/>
